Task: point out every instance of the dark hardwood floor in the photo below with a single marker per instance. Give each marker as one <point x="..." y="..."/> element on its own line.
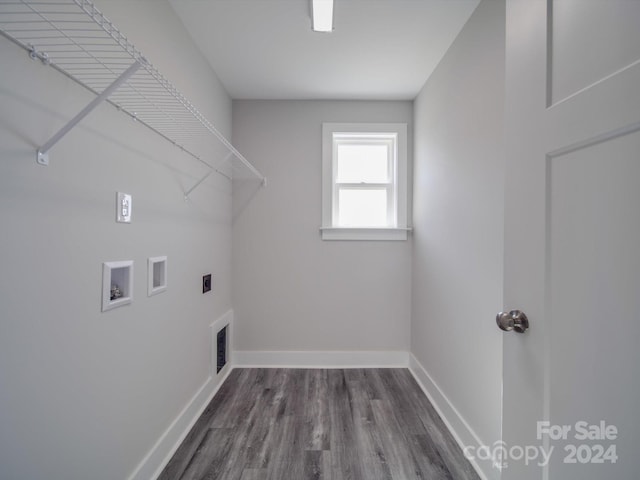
<point x="298" y="424"/>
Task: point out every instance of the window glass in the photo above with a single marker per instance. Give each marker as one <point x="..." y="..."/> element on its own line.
<point x="362" y="207"/>
<point x="357" y="163"/>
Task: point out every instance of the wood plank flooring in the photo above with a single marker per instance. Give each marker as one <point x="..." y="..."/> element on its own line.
<point x="312" y="424"/>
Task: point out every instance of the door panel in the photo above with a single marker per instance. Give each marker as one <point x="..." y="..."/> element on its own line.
<point x="572" y="233"/>
<point x="589" y="41"/>
<point x="594" y="282"/>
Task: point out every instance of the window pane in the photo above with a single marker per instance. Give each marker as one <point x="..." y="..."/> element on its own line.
<point x="362" y="208"/>
<point x="363" y="163"/>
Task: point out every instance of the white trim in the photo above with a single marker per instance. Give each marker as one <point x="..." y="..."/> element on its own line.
<point x="164" y="449"/>
<point x="455" y="422"/>
<point x="158" y="457"/>
<point x="321" y="359"/>
<point x="400" y="177"/>
<point x="342" y="233"/>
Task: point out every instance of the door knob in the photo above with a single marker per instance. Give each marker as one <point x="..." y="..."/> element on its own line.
<point x="513" y="320"/>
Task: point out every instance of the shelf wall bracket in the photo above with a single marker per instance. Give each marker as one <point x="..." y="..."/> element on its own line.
<point x="188" y="192"/>
<point x="43" y="152"/>
<point x="213" y="169"/>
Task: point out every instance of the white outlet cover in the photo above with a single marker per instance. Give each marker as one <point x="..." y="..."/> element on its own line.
<point x="123" y="207"/>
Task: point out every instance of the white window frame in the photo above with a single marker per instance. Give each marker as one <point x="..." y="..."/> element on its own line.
<point x="394" y="135"/>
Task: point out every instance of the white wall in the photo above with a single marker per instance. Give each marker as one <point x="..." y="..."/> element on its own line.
<point x="291" y="290"/>
<point x="458" y="221"/>
<point x="85" y="394"/>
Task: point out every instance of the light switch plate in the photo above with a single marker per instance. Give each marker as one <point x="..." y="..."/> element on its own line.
<point x="123" y="207"/>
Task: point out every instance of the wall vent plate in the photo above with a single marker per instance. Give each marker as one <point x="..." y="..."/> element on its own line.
<point x="221" y="349"/>
<point x="123" y="207"/>
<point x="206" y="283"/>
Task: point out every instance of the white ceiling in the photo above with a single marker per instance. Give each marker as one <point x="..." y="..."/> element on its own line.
<point x="379" y="49"/>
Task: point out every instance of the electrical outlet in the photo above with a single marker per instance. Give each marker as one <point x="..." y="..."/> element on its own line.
<point x="206" y="283"/>
<point x="123" y="207"/>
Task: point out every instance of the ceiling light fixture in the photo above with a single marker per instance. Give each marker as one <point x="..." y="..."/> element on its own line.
<point x="322" y="13"/>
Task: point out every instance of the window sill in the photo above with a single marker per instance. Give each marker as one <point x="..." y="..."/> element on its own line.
<point x="384" y="234"/>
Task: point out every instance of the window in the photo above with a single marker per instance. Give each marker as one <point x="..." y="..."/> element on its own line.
<point x="364" y="181"/>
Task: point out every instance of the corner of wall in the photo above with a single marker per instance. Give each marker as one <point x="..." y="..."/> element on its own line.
<point x="462" y="432"/>
<point x="322" y="359"/>
<point x="458" y="249"/>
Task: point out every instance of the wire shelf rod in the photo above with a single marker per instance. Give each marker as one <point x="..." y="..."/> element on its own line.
<point x="76" y="39"/>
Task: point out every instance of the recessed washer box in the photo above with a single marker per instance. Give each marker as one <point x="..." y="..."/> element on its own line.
<point x="157" y="275"/>
<point x="117" y="284"/>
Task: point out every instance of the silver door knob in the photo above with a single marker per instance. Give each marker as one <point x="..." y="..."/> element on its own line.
<point x="514" y="320"/>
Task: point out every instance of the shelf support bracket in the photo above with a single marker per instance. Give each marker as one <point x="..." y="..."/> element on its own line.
<point x="197" y="184"/>
<point x="188" y="192"/>
<point x="43" y="152"/>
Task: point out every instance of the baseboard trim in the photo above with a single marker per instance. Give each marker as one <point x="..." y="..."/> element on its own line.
<point x="162" y="451"/>
<point x="158" y="457"/>
<point x="321" y="359"/>
<point x="455" y="422"/>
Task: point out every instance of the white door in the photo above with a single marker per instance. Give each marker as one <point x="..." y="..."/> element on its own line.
<point x="572" y="240"/>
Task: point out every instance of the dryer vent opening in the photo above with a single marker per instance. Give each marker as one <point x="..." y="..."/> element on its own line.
<point x="221" y="349"/>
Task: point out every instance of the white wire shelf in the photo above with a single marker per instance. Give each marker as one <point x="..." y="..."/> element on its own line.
<point x="76" y="39"/>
